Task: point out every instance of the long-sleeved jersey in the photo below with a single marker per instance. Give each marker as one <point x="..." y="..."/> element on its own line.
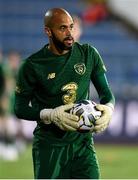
<point x="46" y="80"/>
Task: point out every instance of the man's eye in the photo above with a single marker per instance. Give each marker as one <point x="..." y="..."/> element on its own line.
<point x="71" y="27"/>
<point x="62" y="28"/>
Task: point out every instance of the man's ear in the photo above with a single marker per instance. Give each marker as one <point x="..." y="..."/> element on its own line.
<point x="47" y="31"/>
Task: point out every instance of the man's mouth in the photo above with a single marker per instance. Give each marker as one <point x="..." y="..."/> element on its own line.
<point x="69" y="40"/>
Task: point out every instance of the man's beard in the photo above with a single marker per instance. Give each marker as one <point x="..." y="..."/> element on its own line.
<point x="60" y="44"/>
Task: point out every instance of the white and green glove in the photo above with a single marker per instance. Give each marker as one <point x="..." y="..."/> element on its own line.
<point x="60" y="117"/>
<point x="102" y="123"/>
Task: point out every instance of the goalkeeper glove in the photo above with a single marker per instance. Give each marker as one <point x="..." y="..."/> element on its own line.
<point x="60" y="117"/>
<point x="102" y="123"/>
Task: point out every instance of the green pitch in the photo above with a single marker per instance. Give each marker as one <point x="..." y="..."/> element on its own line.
<point x="116" y="162"/>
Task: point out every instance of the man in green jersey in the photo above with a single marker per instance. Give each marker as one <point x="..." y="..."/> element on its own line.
<point x="49" y="83"/>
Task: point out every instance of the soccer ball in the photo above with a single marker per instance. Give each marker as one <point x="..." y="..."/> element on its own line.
<point x="87" y="113"/>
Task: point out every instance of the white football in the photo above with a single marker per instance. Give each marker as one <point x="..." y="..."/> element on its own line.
<point x="87" y="113"/>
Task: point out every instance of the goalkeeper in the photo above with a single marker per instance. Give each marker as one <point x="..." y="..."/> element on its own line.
<point x="49" y="82"/>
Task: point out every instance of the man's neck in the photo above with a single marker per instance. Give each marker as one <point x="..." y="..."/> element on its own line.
<point x="57" y="51"/>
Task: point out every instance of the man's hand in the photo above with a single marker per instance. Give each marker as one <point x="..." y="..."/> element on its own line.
<point x="102" y="123"/>
<point x="60" y="117"/>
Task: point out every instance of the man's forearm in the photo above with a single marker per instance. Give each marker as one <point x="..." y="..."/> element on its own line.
<point x="24" y="111"/>
<point x="105" y="94"/>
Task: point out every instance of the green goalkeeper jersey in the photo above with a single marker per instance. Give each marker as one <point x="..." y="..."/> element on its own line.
<point x="46" y="80"/>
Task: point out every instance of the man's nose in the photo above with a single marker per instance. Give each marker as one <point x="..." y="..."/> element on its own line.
<point x="68" y="31"/>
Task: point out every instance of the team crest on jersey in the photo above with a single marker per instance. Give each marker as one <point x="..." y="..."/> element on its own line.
<point x="80" y="68"/>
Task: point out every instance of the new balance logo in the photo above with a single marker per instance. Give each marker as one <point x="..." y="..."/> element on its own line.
<point x="51" y="76"/>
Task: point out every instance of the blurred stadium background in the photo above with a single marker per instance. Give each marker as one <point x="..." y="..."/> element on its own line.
<point x="109" y="25"/>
